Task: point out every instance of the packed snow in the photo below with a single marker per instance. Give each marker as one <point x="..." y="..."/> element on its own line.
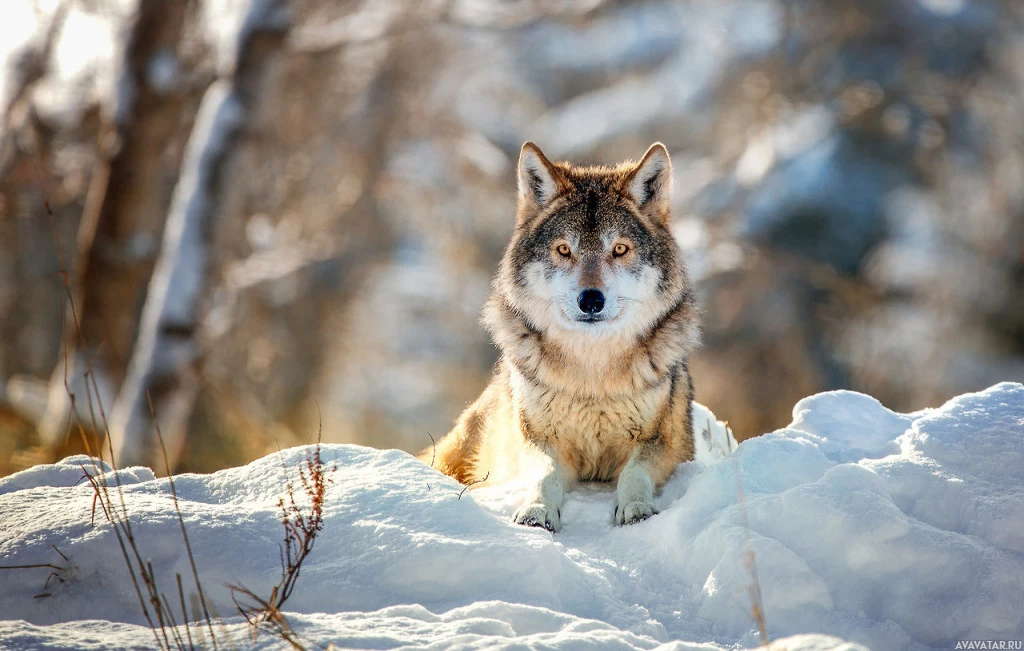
<point x="887" y="530"/>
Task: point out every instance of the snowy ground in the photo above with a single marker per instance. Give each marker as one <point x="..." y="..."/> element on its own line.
<point x="888" y="530"/>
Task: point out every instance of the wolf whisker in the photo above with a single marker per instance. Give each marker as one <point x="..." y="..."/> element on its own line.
<point x="633" y="300"/>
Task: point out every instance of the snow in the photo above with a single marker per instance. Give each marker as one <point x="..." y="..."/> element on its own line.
<point x="230" y="24"/>
<point x="887" y="530"/>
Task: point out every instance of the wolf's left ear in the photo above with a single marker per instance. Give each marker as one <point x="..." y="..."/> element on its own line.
<point x="650" y="184"/>
<point x="538" y="178"/>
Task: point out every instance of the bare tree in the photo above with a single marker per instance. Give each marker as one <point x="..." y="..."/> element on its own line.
<point x="139" y="141"/>
<point x="167" y="350"/>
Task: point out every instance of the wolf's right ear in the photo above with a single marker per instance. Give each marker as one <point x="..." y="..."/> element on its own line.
<point x="538" y="178"/>
<point x="650" y="184"/>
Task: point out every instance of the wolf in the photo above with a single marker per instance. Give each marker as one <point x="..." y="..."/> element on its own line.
<point x="595" y="319"/>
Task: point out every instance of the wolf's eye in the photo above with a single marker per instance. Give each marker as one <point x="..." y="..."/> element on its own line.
<point x="620" y="250"/>
<point x="564" y="250"/>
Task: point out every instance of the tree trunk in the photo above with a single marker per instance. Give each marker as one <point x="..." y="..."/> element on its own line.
<point x="140" y="146"/>
<point x="162" y="378"/>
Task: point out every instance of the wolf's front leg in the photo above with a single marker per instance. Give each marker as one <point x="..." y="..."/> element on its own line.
<point x="635" y="491"/>
<point x="543" y="506"/>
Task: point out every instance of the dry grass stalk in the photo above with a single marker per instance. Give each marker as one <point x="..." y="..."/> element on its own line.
<point x="753" y="589"/>
<point x="155" y="606"/>
<point x="60" y="573"/>
<point x="301" y="528"/>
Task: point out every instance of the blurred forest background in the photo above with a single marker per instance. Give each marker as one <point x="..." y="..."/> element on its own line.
<point x="274" y="212"/>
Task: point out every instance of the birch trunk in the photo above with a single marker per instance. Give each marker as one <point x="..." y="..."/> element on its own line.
<point x="168" y="350"/>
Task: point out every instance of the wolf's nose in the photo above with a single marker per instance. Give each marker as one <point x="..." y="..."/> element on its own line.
<point x="591" y="301"/>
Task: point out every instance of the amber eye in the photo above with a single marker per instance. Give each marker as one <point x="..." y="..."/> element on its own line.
<point x="620" y="250"/>
<point x="564" y="250"/>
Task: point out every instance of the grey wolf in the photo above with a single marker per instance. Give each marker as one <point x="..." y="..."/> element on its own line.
<point x="595" y="319"/>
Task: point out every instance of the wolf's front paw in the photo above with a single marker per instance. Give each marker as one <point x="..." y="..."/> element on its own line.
<point x="538" y="515"/>
<point x="633" y="512"/>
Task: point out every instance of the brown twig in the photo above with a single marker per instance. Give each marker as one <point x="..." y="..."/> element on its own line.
<point x="60" y="572"/>
<point x="184" y="611"/>
<point x="31" y="566"/>
<point x="60" y="553"/>
<point x="433" y="449"/>
<point x="474" y="483"/>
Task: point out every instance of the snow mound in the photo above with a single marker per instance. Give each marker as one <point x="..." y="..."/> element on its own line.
<point x="893" y="531"/>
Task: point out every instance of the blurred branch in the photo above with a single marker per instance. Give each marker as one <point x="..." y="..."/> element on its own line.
<point x="32" y="64"/>
<point x="373" y="21"/>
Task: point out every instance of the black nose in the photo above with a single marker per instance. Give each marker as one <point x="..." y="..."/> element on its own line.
<point x="591" y="301"/>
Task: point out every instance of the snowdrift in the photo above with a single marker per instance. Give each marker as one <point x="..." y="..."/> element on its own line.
<point x="892" y="531"/>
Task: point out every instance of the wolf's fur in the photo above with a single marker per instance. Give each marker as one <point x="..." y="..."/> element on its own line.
<point x="574" y="398"/>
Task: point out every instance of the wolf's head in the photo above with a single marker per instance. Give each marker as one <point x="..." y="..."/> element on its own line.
<point x="592" y="257"/>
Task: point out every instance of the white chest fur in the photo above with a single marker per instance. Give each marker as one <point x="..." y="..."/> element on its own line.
<point x="593" y="435"/>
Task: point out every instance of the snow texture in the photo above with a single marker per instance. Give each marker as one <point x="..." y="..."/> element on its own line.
<point x="892" y="531"/>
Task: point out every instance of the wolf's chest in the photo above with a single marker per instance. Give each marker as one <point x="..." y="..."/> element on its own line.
<point x="593" y="435"/>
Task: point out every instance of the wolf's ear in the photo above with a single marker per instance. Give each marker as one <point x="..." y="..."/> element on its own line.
<point x="650" y="184"/>
<point x="538" y="178"/>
